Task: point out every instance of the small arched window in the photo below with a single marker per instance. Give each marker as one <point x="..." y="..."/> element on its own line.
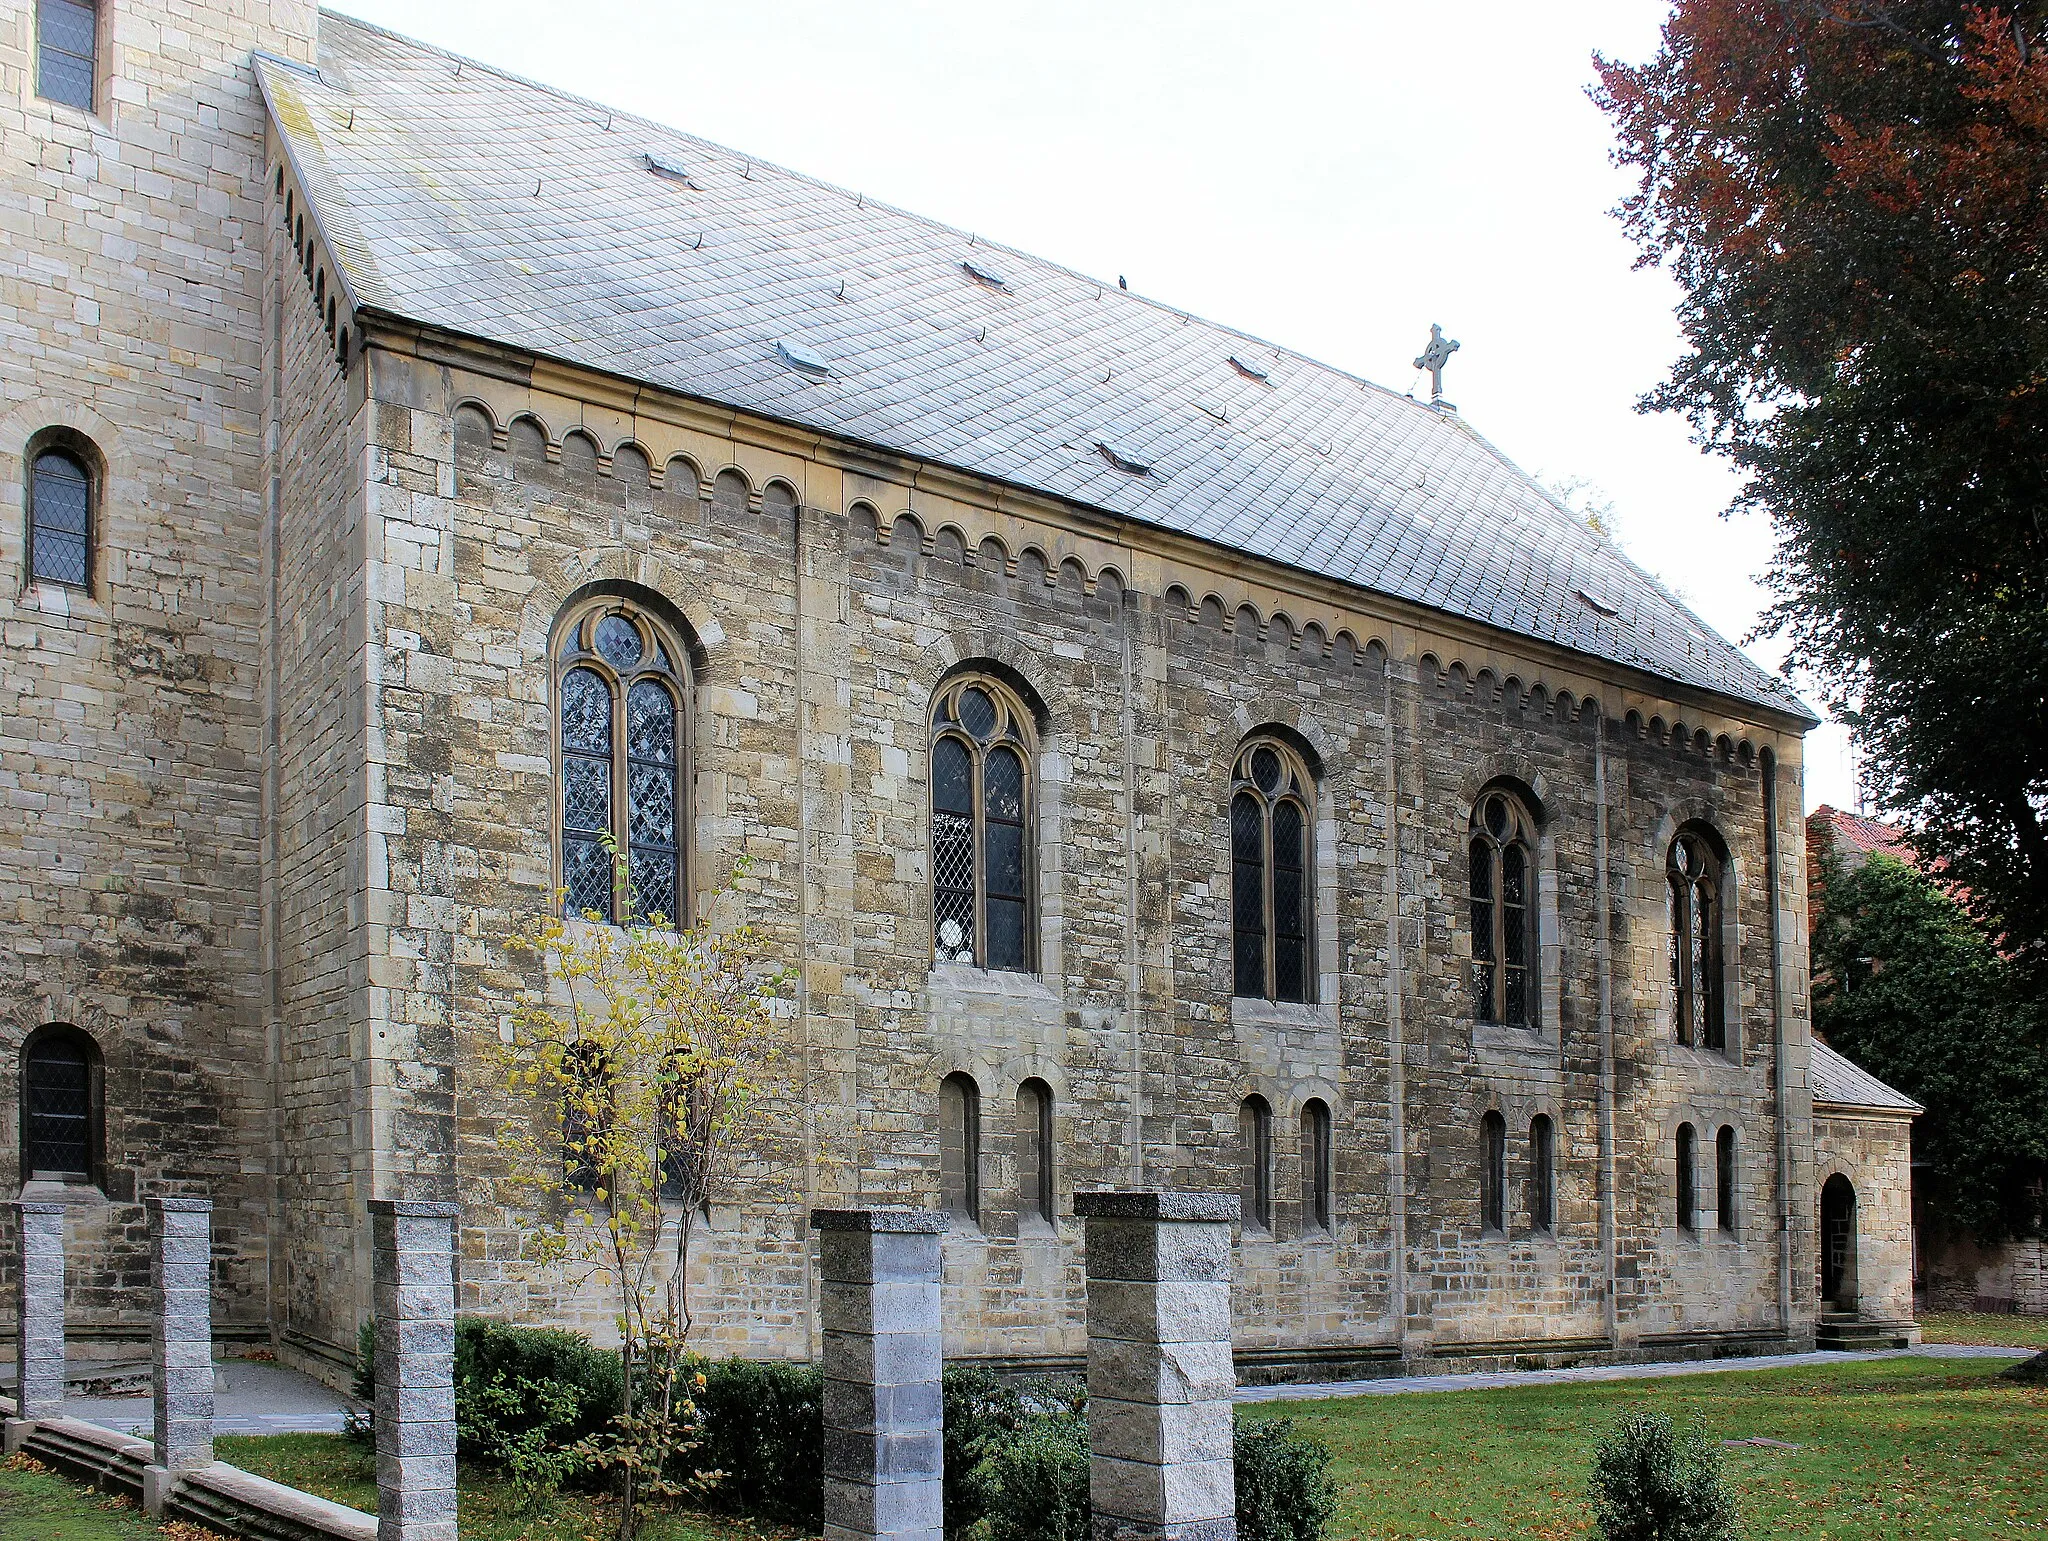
<point x="1502" y="862"/>
<point x="60" y="518"/>
<point x="1035" y="1172"/>
<point x="1542" y="1175"/>
<point x="960" y="1148"/>
<point x="1255" y="1162"/>
<point x="1694" y="873"/>
<point x="1724" y="1179"/>
<point x="1688" y="1179"/>
<point x="982" y="821"/>
<point x="67" y="51"/>
<point x="63" y="1121"/>
<point x="1272" y="797"/>
<point x="622" y="682"/>
<point x="1493" y="1174"/>
<point x="586" y="1117"/>
<point x="1315" y="1165"/>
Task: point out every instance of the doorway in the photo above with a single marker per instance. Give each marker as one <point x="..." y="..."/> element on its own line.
<point x="1838" y="1244"/>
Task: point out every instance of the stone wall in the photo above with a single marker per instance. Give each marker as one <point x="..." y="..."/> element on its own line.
<point x="1961" y="1274"/>
<point x="1875" y="1153"/>
<point x="131" y="303"/>
<point x="824" y="597"/>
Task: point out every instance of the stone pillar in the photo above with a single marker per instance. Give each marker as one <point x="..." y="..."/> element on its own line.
<point x="884" y="1420"/>
<point x="180" y="1265"/>
<point x="414" y="1274"/>
<point x="1159" y="1369"/>
<point x="39" y="1353"/>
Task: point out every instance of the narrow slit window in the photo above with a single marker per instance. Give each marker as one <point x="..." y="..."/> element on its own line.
<point x="960" y="1148"/>
<point x="1271" y="874"/>
<point x="1035" y="1150"/>
<point x="1542" y="1175"/>
<point x="1315" y="1166"/>
<point x="1724" y="1181"/>
<point x="1493" y="1175"/>
<point x="1688" y="1178"/>
<point x="1255" y="1163"/>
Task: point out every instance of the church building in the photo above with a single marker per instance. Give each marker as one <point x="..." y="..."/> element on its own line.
<point x="1164" y="761"/>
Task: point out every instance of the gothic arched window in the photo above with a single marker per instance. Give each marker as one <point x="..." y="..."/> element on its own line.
<point x="1694" y="872"/>
<point x="982" y="824"/>
<point x="1272" y="797"/>
<point x="622" y="683"/>
<point x="1502" y="855"/>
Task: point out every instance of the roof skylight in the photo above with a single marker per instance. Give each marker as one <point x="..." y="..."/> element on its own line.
<point x="1122" y="461"/>
<point x="987" y="276"/>
<point x="805" y="360"/>
<point x="1250" y="371"/>
<point x="671" y="171"/>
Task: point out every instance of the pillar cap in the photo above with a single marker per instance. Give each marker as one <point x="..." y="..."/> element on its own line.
<point x="415" y="1209"/>
<point x="176" y="1206"/>
<point x="1156" y="1206"/>
<point x="892" y="1221"/>
<point x="38" y="1206"/>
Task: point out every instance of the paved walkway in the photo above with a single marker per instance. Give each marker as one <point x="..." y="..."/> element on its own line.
<point x="249" y="1397"/>
<point x="1490" y="1380"/>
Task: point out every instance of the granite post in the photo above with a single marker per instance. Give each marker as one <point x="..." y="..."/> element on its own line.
<point x="1159" y="1368"/>
<point x="413" y="1266"/>
<point x="884" y="1420"/>
<point x="180" y="1265"/>
<point x="39" y="1352"/>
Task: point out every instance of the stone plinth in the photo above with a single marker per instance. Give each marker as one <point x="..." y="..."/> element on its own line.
<point x="413" y="1270"/>
<point x="879" y="1311"/>
<point x="1159" y="1368"/>
<point x="181" y="1361"/>
<point x="39" y="1353"/>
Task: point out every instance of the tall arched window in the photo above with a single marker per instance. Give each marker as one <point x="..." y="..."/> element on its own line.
<point x="67" y="51"/>
<point x="1255" y="1162"/>
<point x="1502" y="861"/>
<point x="982" y="818"/>
<point x="1542" y="1175"/>
<point x="1315" y="1165"/>
<point x="1035" y="1151"/>
<point x="1272" y="801"/>
<point x="1694" y="873"/>
<point x="60" y="518"/>
<point x="622" y="684"/>
<point x="1493" y="1174"/>
<point x="62" y="1111"/>
<point x="960" y="1148"/>
<point x="1724" y="1179"/>
<point x="1688" y="1179"/>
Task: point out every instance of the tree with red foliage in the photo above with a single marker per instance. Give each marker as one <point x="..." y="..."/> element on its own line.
<point x="1854" y="198"/>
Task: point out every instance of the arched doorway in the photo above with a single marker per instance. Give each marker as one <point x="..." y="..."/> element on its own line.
<point x="1838" y="1244"/>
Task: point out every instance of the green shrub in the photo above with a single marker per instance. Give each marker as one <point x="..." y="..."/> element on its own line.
<point x="762" y="1423"/>
<point x="1037" y="1479"/>
<point x="1651" y="1483"/>
<point x="1284" y="1491"/>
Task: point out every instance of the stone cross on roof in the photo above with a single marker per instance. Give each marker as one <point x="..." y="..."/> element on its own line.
<point x="1434" y="357"/>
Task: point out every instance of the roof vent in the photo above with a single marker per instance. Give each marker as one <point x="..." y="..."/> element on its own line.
<point x="671" y="171"/>
<point x="987" y="276"/>
<point x="1122" y="461"/>
<point x="1250" y="371"/>
<point x="1214" y="411"/>
<point x="1599" y="606"/>
<point x="805" y="360"/>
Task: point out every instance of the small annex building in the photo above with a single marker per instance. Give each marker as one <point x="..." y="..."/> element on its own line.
<point x="1164" y="760"/>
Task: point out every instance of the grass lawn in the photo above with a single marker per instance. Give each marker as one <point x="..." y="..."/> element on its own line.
<point x="36" y="1504"/>
<point x="1905" y="1448"/>
<point x="335" y="1468"/>
<point x="1975" y="1327"/>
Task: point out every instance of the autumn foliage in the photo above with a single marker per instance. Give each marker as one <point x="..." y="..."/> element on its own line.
<point x="1854" y="199"/>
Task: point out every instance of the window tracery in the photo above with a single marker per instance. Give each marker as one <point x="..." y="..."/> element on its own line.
<point x="622" y="745"/>
<point x="1505" y="947"/>
<point x="1694" y="883"/>
<point x="1272" y="797"/>
<point x="982" y="823"/>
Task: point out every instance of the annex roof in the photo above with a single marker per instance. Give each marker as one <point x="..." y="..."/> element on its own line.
<point x="1841" y="1082"/>
<point x="472" y="201"/>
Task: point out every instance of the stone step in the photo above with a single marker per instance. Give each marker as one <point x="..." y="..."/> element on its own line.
<point x="1850" y="1334"/>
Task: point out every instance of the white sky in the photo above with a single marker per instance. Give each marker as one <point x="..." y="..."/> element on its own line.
<point x="1331" y="176"/>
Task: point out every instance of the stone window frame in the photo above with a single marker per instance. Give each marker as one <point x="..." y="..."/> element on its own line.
<point x="1493" y="1174"/>
<point x="1517" y="833"/>
<point x="1037" y="1155"/>
<point x="81" y="451"/>
<point x="1016" y="729"/>
<point x="1255" y="1164"/>
<point x="1728" y="1181"/>
<point x="1685" y="1165"/>
<point x="1696" y="861"/>
<point x="1542" y="1189"/>
<point x="1298" y="787"/>
<point x="667" y="659"/>
<point x="960" y="1150"/>
<point x="98" y="63"/>
<point x="94" y="1172"/>
<point x="1318" y="1168"/>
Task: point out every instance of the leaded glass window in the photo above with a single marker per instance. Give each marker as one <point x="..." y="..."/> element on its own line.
<point x="1271" y="888"/>
<point x="1694" y="889"/>
<point x="60" y="497"/>
<point x="67" y="51"/>
<point x="982" y="827"/>
<point x="1501" y="866"/>
<point x="60" y="1114"/>
<point x="620" y="733"/>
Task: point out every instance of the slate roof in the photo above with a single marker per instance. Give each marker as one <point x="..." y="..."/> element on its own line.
<point x="473" y="201"/>
<point x="1839" y="1080"/>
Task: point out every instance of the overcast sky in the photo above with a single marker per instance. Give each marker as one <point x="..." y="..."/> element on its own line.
<point x="1333" y="177"/>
